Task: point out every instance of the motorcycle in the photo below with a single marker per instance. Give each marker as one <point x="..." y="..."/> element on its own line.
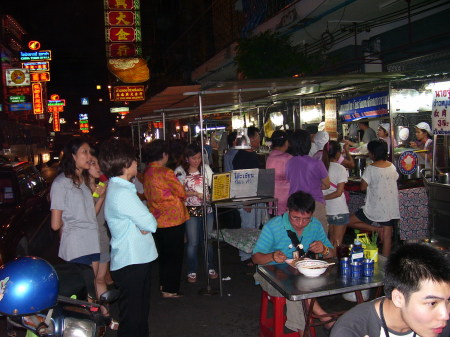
<point x="69" y="318"/>
<point x="29" y="298"/>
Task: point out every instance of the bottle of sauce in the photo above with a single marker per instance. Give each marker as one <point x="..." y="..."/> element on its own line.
<point x="357" y="252"/>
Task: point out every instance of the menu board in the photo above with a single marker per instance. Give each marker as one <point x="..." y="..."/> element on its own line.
<point x="244" y="183"/>
<point x="220" y="186"/>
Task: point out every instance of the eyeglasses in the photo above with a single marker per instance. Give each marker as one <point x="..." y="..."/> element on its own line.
<point x="298" y="219"/>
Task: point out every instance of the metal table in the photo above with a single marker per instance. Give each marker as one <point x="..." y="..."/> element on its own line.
<point x="297" y="287"/>
<point x="251" y="202"/>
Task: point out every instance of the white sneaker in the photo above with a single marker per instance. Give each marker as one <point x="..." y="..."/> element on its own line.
<point x="212" y="274"/>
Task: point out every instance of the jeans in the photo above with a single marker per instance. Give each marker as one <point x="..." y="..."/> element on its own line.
<point x="194" y="233"/>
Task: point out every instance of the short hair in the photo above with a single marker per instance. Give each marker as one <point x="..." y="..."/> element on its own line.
<point x="378" y="148"/>
<point x="252" y="131"/>
<point x="231" y="138"/>
<point x="300" y="142"/>
<point x="312" y="129"/>
<point x="301" y="202"/>
<point x="114" y="156"/>
<point x="155" y="150"/>
<point x="366" y="123"/>
<point x="278" y="138"/>
<point x="411" y="264"/>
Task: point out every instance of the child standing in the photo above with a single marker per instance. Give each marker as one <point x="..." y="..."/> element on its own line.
<point x="337" y="210"/>
<point x="382" y="206"/>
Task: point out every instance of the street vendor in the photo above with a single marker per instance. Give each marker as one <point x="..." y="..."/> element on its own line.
<point x="275" y="245"/>
<point x="424" y="142"/>
<point x="383" y="133"/>
<point x="369" y="134"/>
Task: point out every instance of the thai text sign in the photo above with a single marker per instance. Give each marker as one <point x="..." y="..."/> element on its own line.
<point x="367" y="106"/>
<point x="36" y="55"/>
<point x="440" y="114"/>
<point x="129" y="93"/>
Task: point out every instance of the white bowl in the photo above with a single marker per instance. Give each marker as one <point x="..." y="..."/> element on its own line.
<point x="303" y="265"/>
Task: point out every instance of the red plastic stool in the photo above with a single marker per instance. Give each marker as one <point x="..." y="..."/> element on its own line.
<point x="274" y="326"/>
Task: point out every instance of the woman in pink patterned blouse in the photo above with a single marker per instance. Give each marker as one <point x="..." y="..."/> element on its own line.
<point x="165" y="199"/>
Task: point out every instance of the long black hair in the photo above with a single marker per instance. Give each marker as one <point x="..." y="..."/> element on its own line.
<point x="68" y="165"/>
<point x="190" y="151"/>
<point x="301" y="143"/>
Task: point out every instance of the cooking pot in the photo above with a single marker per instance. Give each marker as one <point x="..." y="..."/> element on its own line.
<point x="443" y="178"/>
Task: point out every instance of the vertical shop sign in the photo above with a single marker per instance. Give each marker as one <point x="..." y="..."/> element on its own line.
<point x="330" y="118"/>
<point x="38" y="107"/>
<point x="56" y="122"/>
<point x="441" y="104"/>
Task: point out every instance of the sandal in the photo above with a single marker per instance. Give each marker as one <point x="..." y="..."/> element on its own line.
<point x="192" y="277"/>
<point x="212" y="274"/>
<point x="171" y="295"/>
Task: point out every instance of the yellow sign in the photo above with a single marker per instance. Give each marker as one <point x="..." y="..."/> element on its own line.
<point x="221" y="186"/>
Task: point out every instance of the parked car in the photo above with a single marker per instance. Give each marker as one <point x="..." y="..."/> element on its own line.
<point x="24" y="210"/>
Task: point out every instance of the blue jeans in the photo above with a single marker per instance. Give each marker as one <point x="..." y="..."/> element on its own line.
<point x="194" y="233"/>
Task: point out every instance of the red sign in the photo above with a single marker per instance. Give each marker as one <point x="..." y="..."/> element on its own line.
<point x="34" y="45"/>
<point x="122" y="34"/>
<point x="129" y="93"/>
<point x="122" y="4"/>
<point x="36" y="66"/>
<point x="57" y="108"/>
<point x="120" y="18"/>
<point x="122" y="50"/>
<point x="38" y="103"/>
<point x="56" y="123"/>
<point x="18" y="91"/>
<point x="40" y="77"/>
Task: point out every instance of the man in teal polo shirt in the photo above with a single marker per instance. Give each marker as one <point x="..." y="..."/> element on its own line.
<point x="275" y="246"/>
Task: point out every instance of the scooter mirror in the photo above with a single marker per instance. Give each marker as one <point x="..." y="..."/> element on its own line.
<point x="109" y="296"/>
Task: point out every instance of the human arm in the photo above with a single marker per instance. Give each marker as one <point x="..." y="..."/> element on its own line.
<point x="325" y="183"/>
<point x="363" y="185"/>
<point x="277" y="256"/>
<point x="348" y="160"/>
<point x="319" y="247"/>
<point x="337" y="193"/>
<point x="174" y="185"/>
<point x="56" y="219"/>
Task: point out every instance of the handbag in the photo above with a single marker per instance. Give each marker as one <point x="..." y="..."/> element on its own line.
<point x="346" y="193"/>
<point x="195" y="210"/>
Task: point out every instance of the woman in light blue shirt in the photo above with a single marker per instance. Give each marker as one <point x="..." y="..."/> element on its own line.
<point x="132" y="244"/>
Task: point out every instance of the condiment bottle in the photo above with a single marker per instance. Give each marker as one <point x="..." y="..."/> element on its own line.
<point x="357" y="252"/>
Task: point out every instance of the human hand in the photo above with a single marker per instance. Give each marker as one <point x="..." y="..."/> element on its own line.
<point x="317" y="247"/>
<point x="100" y="190"/>
<point x="413" y="145"/>
<point x="278" y="256"/>
<point x="144" y="232"/>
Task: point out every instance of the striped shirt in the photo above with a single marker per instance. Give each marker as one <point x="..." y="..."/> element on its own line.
<point x="274" y="237"/>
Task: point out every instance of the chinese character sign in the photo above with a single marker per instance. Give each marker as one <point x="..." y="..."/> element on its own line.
<point x="38" y="103"/>
<point x="441" y="104"/>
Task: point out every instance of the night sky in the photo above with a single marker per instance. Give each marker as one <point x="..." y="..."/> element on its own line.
<point x="74" y="32"/>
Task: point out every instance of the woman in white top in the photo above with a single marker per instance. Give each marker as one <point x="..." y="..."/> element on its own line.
<point x="337" y="210"/>
<point x="190" y="176"/>
<point x="383" y="133"/>
<point x="382" y="206"/>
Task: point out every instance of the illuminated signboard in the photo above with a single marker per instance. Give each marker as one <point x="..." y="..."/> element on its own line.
<point x="40" y="77"/>
<point x="20" y="107"/>
<point x="123" y="34"/>
<point x="123" y="50"/>
<point x="120" y="110"/>
<point x="57" y="102"/>
<point x="84" y="101"/>
<point x="129" y="93"/>
<point x="83" y="117"/>
<point x="17" y="77"/>
<point x="57" y="108"/>
<point x="16" y="99"/>
<point x="38" y="103"/>
<point x="56" y="123"/>
<point x="36" y="55"/>
<point x="34" y="45"/>
<point x="120" y="18"/>
<point x="36" y="66"/>
<point x="122" y="4"/>
<point x="18" y="90"/>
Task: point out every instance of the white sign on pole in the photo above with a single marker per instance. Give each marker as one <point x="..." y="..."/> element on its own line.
<point x="440" y="114"/>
